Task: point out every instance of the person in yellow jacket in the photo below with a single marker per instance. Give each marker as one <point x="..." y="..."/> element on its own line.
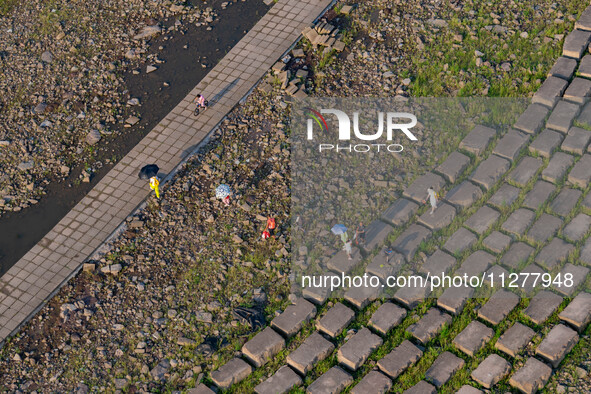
<point x="154" y="183"/>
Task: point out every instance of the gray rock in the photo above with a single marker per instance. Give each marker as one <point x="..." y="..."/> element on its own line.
<point x="525" y="170"/>
<point x="505" y="196"/>
<point x="47" y="57"/>
<point x="444" y="214"/>
<point x="463" y="195"/>
<point x="576" y="141"/>
<point x="515" y="339"/>
<point x="584" y="21"/>
<point x="533" y="118"/>
<point x="478" y="139"/>
<point x="358" y="348"/>
<point x="132" y="120"/>
<point x="40" y="108"/>
<point x="386" y="317"/>
<point x="580" y="175"/>
<point x="497" y="242"/>
<point x="399" y="359"/>
<point x="578" y="227"/>
<point x="461" y="240"/>
<point x="160" y="370"/>
<point x="490" y="171"/>
<point x="453" y="299"/>
<point x="481" y="221"/>
<point x="473" y="338"/>
<point x="332" y="381"/>
<point x="550" y="91"/>
<point x="409" y="241"/>
<point x="443" y="368"/>
<point x="336" y="320"/>
<point x="453" y="166"/>
<point x="476" y="264"/>
<point x="421" y="388"/>
<point x="465" y="389"/>
<point x="234" y="371"/>
<point x="263" y="347"/>
<point x="280" y="383"/>
<point x="545" y="143"/>
<point x="417" y="191"/>
<point x="542" y="305"/>
<point x="576" y="43"/>
<point x="150" y="69"/>
<point x="498" y="306"/>
<point x="565" y="201"/>
<point x="429" y="326"/>
<point x="491" y="370"/>
<point x="93" y="137"/>
<point x="554" y="253"/>
<point x="314" y="349"/>
<point x="511" y="144"/>
<point x="538" y="195"/>
<point x="148" y="31"/>
<point x="562" y="116"/>
<point x="293" y="318"/>
<point x="400" y="212"/>
<point x="578" y="91"/>
<point x="26" y="165"/>
<point x="578" y="312"/>
<point x="559" y="164"/>
<point x="373" y="382"/>
<point x="519" y="221"/>
<point x="557" y="344"/>
<point x="564" y="68"/>
<point x="532" y="377"/>
<point x="517" y="255"/>
<point x="200" y="389"/>
<point x="544" y="228"/>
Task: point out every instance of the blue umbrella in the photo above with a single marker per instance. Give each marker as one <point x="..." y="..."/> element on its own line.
<point x="222" y="191"/>
<point x="338" y="229"/>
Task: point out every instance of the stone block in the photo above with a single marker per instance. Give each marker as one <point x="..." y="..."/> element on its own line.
<point x="461" y="240"/>
<point x="542" y="306"/>
<point x="580" y="175"/>
<point x="579" y="276"/>
<point x="384" y="265"/>
<point x="437" y="263"/>
<point x="314" y="349"/>
<point x="463" y="195"/>
<point x="481" y="221"/>
<point x="577" y="228"/>
<point x="473" y="338"/>
<point x="399" y="359"/>
<point x="538" y="195"/>
<point x="417" y="191"/>
<point x="341" y="264"/>
<point x="515" y="339"/>
<point x="565" y="201"/>
<point x="497" y="242"/>
<point x="453" y="166"/>
<point x="544" y="228"/>
<point x="495" y="275"/>
<point x="293" y="318"/>
<point x="234" y="371"/>
<point x="263" y="347"/>
<point x="319" y="295"/>
<point x="564" y="68"/>
<point x="491" y="371"/>
<point x="429" y="326"/>
<point x="465" y="389"/>
<point x="421" y="388"/>
<point x="532" y="377"/>
<point x="201" y="389"/>
<point x="585" y="256"/>
<point x="511" y="144"/>
<point x="386" y="317"/>
<point x="519" y="221"/>
<point x="444" y="214"/>
<point x="546" y="143"/>
<point x="557" y="167"/>
<point x="400" y="212"/>
<point x="358" y="348"/>
<point x="562" y="116"/>
<point x="332" y="381"/>
<point x="490" y="171"/>
<point x="408" y="242"/>
<point x="517" y="255"/>
<point x="498" y="306"/>
<point x="578" y="312"/>
<point x="410" y="296"/>
<point x="505" y="196"/>
<point x="576" y="140"/>
<point x="584" y="21"/>
<point x="532" y="270"/>
<point x="362" y="296"/>
<point x="550" y="91"/>
<point x="281" y="382"/>
<point x="373" y="382"/>
<point x="443" y="368"/>
<point x="335" y="320"/>
<point x="578" y="91"/>
<point x="532" y="119"/>
<point x="476" y="264"/>
<point x="585" y="116"/>
<point x="575" y="43"/>
<point x="375" y="234"/>
<point x="478" y="139"/>
<point x="557" y="344"/>
<point x="453" y="299"/>
<point x="554" y="253"/>
<point x="525" y="170"/>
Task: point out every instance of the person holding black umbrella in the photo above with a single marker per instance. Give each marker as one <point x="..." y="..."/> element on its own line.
<point x="151" y="172"/>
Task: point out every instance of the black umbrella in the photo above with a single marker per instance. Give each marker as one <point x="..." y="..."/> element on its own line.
<point x="148" y="171"/>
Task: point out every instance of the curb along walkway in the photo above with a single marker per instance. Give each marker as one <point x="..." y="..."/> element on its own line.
<point x="39" y="274"/>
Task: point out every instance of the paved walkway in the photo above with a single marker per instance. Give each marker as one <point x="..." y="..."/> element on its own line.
<point x="60" y="254"/>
